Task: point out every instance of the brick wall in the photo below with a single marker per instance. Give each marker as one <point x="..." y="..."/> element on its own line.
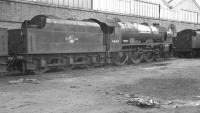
<point x="13" y="13"/>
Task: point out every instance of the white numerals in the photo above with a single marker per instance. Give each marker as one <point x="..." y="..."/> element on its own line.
<point x="115" y="41"/>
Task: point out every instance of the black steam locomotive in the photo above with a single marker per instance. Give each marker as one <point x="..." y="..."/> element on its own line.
<point x="187" y="43"/>
<point x="46" y="42"/>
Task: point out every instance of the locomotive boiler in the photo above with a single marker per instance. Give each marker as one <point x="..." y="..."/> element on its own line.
<point x="134" y="33"/>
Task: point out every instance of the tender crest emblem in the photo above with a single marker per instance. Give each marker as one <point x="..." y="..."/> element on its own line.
<point x="71" y="38"/>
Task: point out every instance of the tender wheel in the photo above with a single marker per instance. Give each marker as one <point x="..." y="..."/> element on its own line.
<point x="23" y="67"/>
<point x="193" y="54"/>
<point x="120" y="59"/>
<point x="136" y="57"/>
<point x="149" y="56"/>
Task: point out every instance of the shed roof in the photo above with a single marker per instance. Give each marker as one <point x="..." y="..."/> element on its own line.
<point x="174" y="3"/>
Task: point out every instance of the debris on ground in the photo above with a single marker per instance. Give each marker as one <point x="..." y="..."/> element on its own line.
<point x="147" y="102"/>
<point x="16" y="81"/>
<point x="33" y="81"/>
<point x="21" y="80"/>
<point x="198" y="96"/>
<point x="144" y="102"/>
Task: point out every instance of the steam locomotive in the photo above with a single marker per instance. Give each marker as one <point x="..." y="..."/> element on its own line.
<point x="187" y="43"/>
<point x="47" y="42"/>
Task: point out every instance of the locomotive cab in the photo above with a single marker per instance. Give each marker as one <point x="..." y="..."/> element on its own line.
<point x="112" y="33"/>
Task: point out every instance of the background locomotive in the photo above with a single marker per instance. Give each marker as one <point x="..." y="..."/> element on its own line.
<point x="187" y="43"/>
<point x="46" y="42"/>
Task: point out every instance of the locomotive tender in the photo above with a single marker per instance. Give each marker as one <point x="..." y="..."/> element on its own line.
<point x="46" y="42"/>
<point x="3" y="50"/>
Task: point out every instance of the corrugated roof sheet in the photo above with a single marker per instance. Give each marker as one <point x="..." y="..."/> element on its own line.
<point x="174" y="3"/>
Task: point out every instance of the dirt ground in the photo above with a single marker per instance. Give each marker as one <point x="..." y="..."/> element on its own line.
<point x="105" y="89"/>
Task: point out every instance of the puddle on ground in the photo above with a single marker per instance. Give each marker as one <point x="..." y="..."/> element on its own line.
<point x="157" y="66"/>
<point x="164" y="88"/>
<point x="165" y="93"/>
<point x="182" y="103"/>
<point x="161" y="64"/>
<point x="151" y="102"/>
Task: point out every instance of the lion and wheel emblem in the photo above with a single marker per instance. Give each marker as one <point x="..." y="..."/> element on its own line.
<point x="71" y="38"/>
